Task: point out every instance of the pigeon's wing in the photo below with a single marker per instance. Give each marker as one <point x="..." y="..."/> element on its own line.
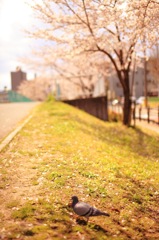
<point x="82" y="208"/>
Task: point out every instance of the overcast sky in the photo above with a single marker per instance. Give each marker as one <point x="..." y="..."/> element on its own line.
<point x="15" y="15"/>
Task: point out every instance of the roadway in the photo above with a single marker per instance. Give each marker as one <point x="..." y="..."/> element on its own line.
<point x="12" y="114"/>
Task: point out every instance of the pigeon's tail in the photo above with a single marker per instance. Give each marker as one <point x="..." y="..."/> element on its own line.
<point x="97" y="212"/>
<point x="106" y="214"/>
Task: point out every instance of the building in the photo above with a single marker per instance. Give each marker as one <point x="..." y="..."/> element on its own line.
<point x="137" y="90"/>
<point x="17" y="78"/>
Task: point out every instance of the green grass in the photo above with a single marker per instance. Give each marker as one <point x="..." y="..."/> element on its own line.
<point x="153" y="101"/>
<point x="65" y="152"/>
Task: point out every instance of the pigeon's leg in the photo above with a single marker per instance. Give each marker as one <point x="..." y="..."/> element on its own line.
<point x="87" y="218"/>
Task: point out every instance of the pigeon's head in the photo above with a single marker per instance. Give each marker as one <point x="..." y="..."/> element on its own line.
<point x="74" y="200"/>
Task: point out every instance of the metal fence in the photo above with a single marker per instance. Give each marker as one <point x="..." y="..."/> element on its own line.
<point x="150" y="115"/>
<point x="11" y="96"/>
<point x="97" y="107"/>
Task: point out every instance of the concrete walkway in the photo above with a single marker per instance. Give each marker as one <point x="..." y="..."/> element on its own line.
<point x="12" y="115"/>
<point x="150" y="126"/>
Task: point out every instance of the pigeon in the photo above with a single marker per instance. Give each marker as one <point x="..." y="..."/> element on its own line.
<point x="85" y="210"/>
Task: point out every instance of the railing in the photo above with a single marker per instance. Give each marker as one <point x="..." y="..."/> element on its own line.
<point x="150" y="115"/>
<point x="99" y="108"/>
<point x="11" y="96"/>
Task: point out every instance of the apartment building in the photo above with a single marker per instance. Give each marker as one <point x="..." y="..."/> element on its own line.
<point x="17" y="78"/>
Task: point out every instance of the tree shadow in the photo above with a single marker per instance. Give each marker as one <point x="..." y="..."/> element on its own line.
<point x="120" y="135"/>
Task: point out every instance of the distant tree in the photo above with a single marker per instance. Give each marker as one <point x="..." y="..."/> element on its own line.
<point x="83" y="77"/>
<point x="115" y="28"/>
<point x="67" y="71"/>
<point x="37" y="89"/>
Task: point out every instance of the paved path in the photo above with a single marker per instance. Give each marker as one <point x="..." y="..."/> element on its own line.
<point x="151" y="126"/>
<point x="12" y="114"/>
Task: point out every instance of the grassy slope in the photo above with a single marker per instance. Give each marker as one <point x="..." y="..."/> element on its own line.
<point x="105" y="164"/>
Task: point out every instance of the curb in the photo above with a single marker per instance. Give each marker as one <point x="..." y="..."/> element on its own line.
<point x="9" y="138"/>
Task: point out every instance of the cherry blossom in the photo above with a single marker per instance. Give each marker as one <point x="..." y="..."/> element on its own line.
<point x="80" y="29"/>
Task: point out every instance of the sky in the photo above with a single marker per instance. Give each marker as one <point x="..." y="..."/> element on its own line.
<point x="15" y="15"/>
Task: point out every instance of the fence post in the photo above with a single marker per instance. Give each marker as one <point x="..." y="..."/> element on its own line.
<point x="134" y="114"/>
<point x="140" y="113"/>
<point x="148" y="114"/>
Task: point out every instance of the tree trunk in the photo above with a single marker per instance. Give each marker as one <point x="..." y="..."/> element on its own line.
<point x="127" y="109"/>
<point x="127" y="100"/>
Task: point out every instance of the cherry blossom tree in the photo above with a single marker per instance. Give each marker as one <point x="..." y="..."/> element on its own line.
<point x="36" y="89"/>
<point x="83" y="77"/>
<point x="66" y="72"/>
<point x="114" y="28"/>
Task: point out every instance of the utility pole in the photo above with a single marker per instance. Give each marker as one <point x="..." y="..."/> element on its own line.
<point x="145" y="74"/>
<point x="133" y="93"/>
<point x="145" y="82"/>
